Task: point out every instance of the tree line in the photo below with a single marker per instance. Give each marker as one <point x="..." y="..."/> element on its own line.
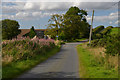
<point x="69" y="26"/>
<point x="10" y="29"/>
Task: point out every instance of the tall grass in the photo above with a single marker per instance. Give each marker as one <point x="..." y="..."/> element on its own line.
<point x="21" y="55"/>
<point x="96" y="64"/>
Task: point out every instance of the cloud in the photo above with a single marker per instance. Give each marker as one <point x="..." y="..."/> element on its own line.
<point x="117" y="22"/>
<point x="24" y="10"/>
<point x="9" y="7"/>
<point x="61" y="0"/>
<point x="29" y="5"/>
<point x="110" y="22"/>
<point x="22" y="14"/>
<point x="37" y="13"/>
<point x="55" y="6"/>
<point x="110" y="17"/>
<point x="41" y="14"/>
<point x="36" y="10"/>
<point x="28" y="15"/>
<point x="45" y="6"/>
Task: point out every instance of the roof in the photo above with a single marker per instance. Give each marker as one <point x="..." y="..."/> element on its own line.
<point x="40" y="29"/>
<point x="25" y="31"/>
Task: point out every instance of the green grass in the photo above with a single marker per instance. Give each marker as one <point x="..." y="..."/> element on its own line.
<point x="90" y="69"/>
<point x="114" y="31"/>
<point x="76" y="40"/>
<point x="15" y="69"/>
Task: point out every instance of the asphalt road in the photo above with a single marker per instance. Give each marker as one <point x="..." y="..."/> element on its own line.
<point x="64" y="64"/>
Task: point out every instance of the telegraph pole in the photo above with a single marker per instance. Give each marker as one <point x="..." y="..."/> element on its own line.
<point x="91" y="28"/>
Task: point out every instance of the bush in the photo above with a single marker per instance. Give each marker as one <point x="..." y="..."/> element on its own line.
<point x="110" y="42"/>
<point x="98" y="36"/>
<point x="98" y="29"/>
<point x="106" y="30"/>
<point x="96" y="32"/>
<point x="113" y="45"/>
<point x="24" y="49"/>
<point x="99" y="32"/>
<point x="94" y="43"/>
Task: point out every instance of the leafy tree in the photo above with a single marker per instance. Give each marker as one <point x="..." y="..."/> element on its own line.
<point x="75" y="23"/>
<point x="32" y="32"/>
<point x="10" y="29"/>
<point x="55" y="23"/>
<point x="70" y="26"/>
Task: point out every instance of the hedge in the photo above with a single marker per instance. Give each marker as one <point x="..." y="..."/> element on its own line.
<point x="98" y="29"/>
<point x="106" y="30"/>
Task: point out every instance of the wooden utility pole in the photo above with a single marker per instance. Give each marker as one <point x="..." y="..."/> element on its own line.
<point x="91" y="28"/>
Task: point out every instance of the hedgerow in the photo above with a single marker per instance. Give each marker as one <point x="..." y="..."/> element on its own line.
<point x="16" y="50"/>
<point x="98" y="29"/>
<point x="110" y="42"/>
<point x="106" y="30"/>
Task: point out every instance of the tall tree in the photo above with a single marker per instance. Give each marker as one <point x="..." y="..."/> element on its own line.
<point x="69" y="26"/>
<point x="75" y="23"/>
<point x="55" y="23"/>
<point x="10" y="29"/>
<point x="32" y="32"/>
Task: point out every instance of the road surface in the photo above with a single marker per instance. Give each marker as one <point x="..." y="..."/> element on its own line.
<point x="64" y="64"/>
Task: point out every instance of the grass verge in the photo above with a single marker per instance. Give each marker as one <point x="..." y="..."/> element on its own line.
<point x="76" y="40"/>
<point x="16" y="68"/>
<point x="90" y="68"/>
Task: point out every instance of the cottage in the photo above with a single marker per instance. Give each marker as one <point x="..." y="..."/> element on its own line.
<point x="39" y="33"/>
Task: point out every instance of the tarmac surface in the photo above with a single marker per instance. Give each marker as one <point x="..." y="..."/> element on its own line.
<point x="64" y="64"/>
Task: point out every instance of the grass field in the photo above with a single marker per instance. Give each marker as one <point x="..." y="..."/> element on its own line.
<point x="115" y="31"/>
<point x="17" y="68"/>
<point x="91" y="67"/>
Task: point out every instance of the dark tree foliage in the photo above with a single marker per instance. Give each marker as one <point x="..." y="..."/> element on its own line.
<point x="106" y="30"/>
<point x="75" y="25"/>
<point x="113" y="45"/>
<point x="97" y="32"/>
<point x="69" y="26"/>
<point x="10" y="29"/>
<point x="98" y="29"/>
<point x="32" y="32"/>
<point x="111" y="42"/>
<point x="100" y="32"/>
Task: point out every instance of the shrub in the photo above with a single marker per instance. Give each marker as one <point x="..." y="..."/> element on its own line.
<point x="113" y="45"/>
<point x="94" y="43"/>
<point x="106" y="30"/>
<point x="98" y="36"/>
<point x="96" y="32"/>
<point x="99" y="32"/>
<point x="110" y="42"/>
<point x="25" y="49"/>
<point x="98" y="29"/>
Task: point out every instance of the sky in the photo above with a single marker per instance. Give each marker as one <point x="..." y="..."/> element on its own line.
<point x="37" y="12"/>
